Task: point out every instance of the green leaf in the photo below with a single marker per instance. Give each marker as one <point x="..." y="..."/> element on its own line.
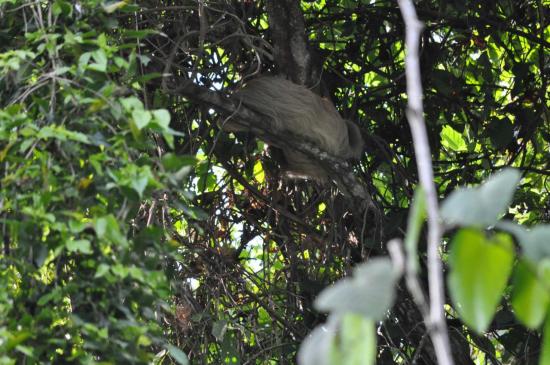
<point x="173" y="162"/>
<point x="218" y="330"/>
<point x="259" y="174"/>
<point x="369" y="292"/>
<point x="316" y="347"/>
<point x="62" y="7"/>
<point x="82" y="245"/>
<point x="17" y="338"/>
<point x="62" y="134"/>
<point x="55" y="295"/>
<point x="511" y="227"/>
<point x="100" y="58"/>
<point x="161" y="123"/>
<point x="107" y="227"/>
<point x="356" y="343"/>
<point x="140" y="181"/>
<point x="143" y="341"/>
<point x="417" y="214"/>
<point x="141" y="118"/>
<point x="530" y="298"/>
<point x="136" y="178"/>
<point x="131" y="103"/>
<point x="452" y="140"/>
<point x="141" y="33"/>
<point x="178" y="355"/>
<point x="114" y="6"/>
<point x="162" y="117"/>
<point x="545" y="352"/>
<point x="101" y="270"/>
<point x="83" y="61"/>
<point x="543" y="272"/>
<point x="481" y="206"/>
<point x="480" y="268"/>
<point x="26" y="350"/>
<point x="136" y="273"/>
<point x="536" y="243"/>
<point x="120" y="270"/>
<point x="346" y="340"/>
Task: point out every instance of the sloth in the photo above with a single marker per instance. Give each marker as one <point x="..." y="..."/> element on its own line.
<point x="296" y="109"/>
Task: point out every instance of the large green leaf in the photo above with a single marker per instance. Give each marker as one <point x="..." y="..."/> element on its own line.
<point x="452" y="140"/>
<point x="535" y="243"/>
<point x="177" y="355"/>
<point x="356" y="344"/>
<point x="480" y="268"/>
<point x="417" y="214"/>
<point x="481" y="206"/>
<point x="369" y="292"/>
<point x="316" y="348"/>
<point x="345" y="340"/>
<point x="530" y="298"/>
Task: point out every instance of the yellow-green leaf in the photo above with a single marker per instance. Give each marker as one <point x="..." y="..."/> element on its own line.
<point x="480" y="267"/>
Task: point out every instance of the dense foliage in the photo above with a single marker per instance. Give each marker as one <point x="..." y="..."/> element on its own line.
<point x="134" y="230"/>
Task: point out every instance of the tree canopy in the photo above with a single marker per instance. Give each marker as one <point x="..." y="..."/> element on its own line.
<point x="135" y="230"/>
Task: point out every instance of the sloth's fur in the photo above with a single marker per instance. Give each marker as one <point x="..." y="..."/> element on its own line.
<point x="298" y="110"/>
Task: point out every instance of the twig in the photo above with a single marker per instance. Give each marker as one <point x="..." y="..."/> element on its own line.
<point x="395" y="248"/>
<point x="151" y="211"/>
<point x="435" y="323"/>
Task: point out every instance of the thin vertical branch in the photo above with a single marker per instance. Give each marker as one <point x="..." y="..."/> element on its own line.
<point x="436" y="323"/>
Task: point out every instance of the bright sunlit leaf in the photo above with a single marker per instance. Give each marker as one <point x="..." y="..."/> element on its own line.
<point x="480" y="267"/>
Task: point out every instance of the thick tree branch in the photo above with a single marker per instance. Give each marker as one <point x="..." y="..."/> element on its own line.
<point x="292" y="54"/>
<point x="436" y="323"/>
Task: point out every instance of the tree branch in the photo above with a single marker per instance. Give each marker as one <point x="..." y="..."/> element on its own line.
<point x="287" y="26"/>
<point x="436" y="322"/>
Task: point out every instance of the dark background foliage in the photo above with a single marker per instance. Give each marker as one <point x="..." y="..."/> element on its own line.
<point x="125" y="236"/>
